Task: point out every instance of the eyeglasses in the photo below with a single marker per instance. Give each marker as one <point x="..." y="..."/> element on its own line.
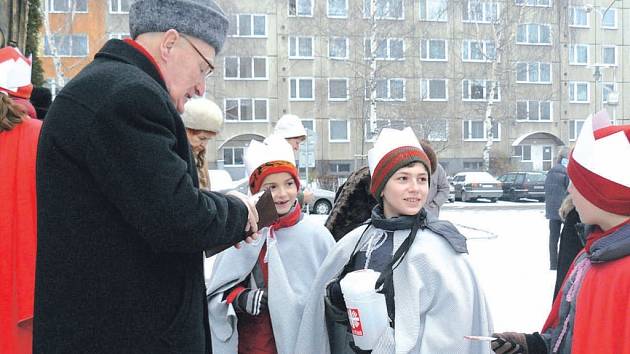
<point x="207" y="72"/>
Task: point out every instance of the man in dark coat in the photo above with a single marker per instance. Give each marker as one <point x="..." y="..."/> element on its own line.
<point x="122" y="224"/>
<point x="556" y="184"/>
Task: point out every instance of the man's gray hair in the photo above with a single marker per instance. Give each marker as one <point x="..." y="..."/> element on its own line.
<point x="203" y="19"/>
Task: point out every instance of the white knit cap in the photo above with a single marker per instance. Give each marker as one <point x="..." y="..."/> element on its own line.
<point x="202" y="114"/>
<point x="289" y="126"/>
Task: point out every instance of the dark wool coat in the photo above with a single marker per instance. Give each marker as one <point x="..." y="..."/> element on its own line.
<point x="122" y="225"/>
<point x="556" y="184"/>
<point x="570" y="246"/>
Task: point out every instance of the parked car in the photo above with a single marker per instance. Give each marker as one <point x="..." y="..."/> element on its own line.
<point x="473" y="185"/>
<point x="322" y="203"/>
<point x="451" y="193"/>
<point x="517" y="185"/>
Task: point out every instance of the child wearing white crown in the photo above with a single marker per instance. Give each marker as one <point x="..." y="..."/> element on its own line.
<point x="591" y="312"/>
<point x="257" y="293"/>
<point x="431" y="295"/>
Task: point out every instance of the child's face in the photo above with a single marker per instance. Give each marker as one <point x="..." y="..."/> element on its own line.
<point x="283" y="189"/>
<point x="406" y="191"/>
<point x="588" y="212"/>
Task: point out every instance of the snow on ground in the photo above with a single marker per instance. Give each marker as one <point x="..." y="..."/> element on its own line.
<point x="508" y="246"/>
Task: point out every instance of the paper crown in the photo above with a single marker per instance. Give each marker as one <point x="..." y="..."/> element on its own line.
<point x="274" y="155"/>
<point x="15" y="73"/>
<point x="598" y="165"/>
<point x="393" y="150"/>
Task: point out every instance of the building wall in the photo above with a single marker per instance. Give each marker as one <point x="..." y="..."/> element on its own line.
<point x="456" y="153"/>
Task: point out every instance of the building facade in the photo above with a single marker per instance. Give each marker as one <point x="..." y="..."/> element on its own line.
<point x="526" y="72"/>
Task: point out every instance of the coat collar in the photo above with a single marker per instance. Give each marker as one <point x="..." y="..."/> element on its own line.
<point x="121" y="51"/>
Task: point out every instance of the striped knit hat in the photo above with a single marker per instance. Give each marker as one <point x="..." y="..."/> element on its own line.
<point x="274" y="155"/>
<point x="598" y="165"/>
<point x="393" y="150"/>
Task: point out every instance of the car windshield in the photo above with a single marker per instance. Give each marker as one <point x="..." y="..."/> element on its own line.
<point x="535" y="177"/>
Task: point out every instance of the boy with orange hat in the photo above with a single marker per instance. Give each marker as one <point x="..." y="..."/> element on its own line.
<point x="591" y="313"/>
<point x="257" y="293"/>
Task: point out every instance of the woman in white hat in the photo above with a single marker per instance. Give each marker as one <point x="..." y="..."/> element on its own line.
<point x="431" y="294"/>
<point x="203" y="120"/>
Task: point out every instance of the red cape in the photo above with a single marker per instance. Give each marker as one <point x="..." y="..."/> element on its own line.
<point x="602" y="318"/>
<point x="18" y="235"/>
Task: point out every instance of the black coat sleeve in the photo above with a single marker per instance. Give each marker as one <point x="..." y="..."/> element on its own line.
<point x="137" y="157"/>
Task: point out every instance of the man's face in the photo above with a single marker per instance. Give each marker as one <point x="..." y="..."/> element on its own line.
<point x="186" y="67"/>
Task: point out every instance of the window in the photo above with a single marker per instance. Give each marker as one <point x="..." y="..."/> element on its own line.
<point x="578" y="54"/>
<point x="337" y="8"/>
<point x="609" y="18"/>
<point x="484" y="12"/>
<point x="246" y="109"/>
<point x="435" y="129"/>
<point x="247" y="25"/>
<point x="69" y="5"/>
<point x="607" y="88"/>
<point x="479" y="90"/>
<point x="385" y="9"/>
<point x="434" y="90"/>
<point x="578" y="92"/>
<point x="609" y="55"/>
<point x="475" y="130"/>
<point x="338" y="48"/>
<point x="245" y="68"/>
<point x="339" y="168"/>
<point x="309" y="124"/>
<point x="337" y="89"/>
<point x="388" y="90"/>
<point x="67" y="45"/>
<point x="578" y="17"/>
<point x="119" y="6"/>
<point x="478" y="50"/>
<point x="433" y="49"/>
<point x="533" y="111"/>
<point x="544" y="3"/>
<point x="533" y="33"/>
<point x="119" y="35"/>
<point x="338" y="130"/>
<point x="524" y="152"/>
<point x="386" y="49"/>
<point x="575" y="126"/>
<point x="300" y="8"/>
<point x="537" y="73"/>
<point x="434" y="10"/>
<point x="233" y="156"/>
<point x="301" y="89"/>
<point x="300" y="47"/>
<point x="472" y="165"/>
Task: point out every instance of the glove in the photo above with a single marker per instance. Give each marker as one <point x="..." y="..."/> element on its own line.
<point x="252" y="301"/>
<point x="509" y="343"/>
<point x="335" y="296"/>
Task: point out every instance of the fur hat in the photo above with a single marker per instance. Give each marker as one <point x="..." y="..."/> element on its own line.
<point x="598" y="165"/>
<point x="202" y="114"/>
<point x="274" y="155"/>
<point x="393" y="150"/>
<point x="353" y="204"/>
<point x="15" y="73"/>
<point x="289" y="126"/>
<point x="203" y="19"/>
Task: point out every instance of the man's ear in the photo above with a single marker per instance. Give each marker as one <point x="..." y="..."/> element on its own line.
<point x="167" y="42"/>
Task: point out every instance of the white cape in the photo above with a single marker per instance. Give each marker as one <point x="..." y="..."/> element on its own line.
<point x="437" y="300"/>
<point x="294" y="258"/>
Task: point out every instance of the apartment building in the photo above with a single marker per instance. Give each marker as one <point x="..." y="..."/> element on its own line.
<point x="533" y="68"/>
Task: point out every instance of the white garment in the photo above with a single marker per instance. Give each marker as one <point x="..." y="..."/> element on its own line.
<point x="294" y="257"/>
<point x="437" y="299"/>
